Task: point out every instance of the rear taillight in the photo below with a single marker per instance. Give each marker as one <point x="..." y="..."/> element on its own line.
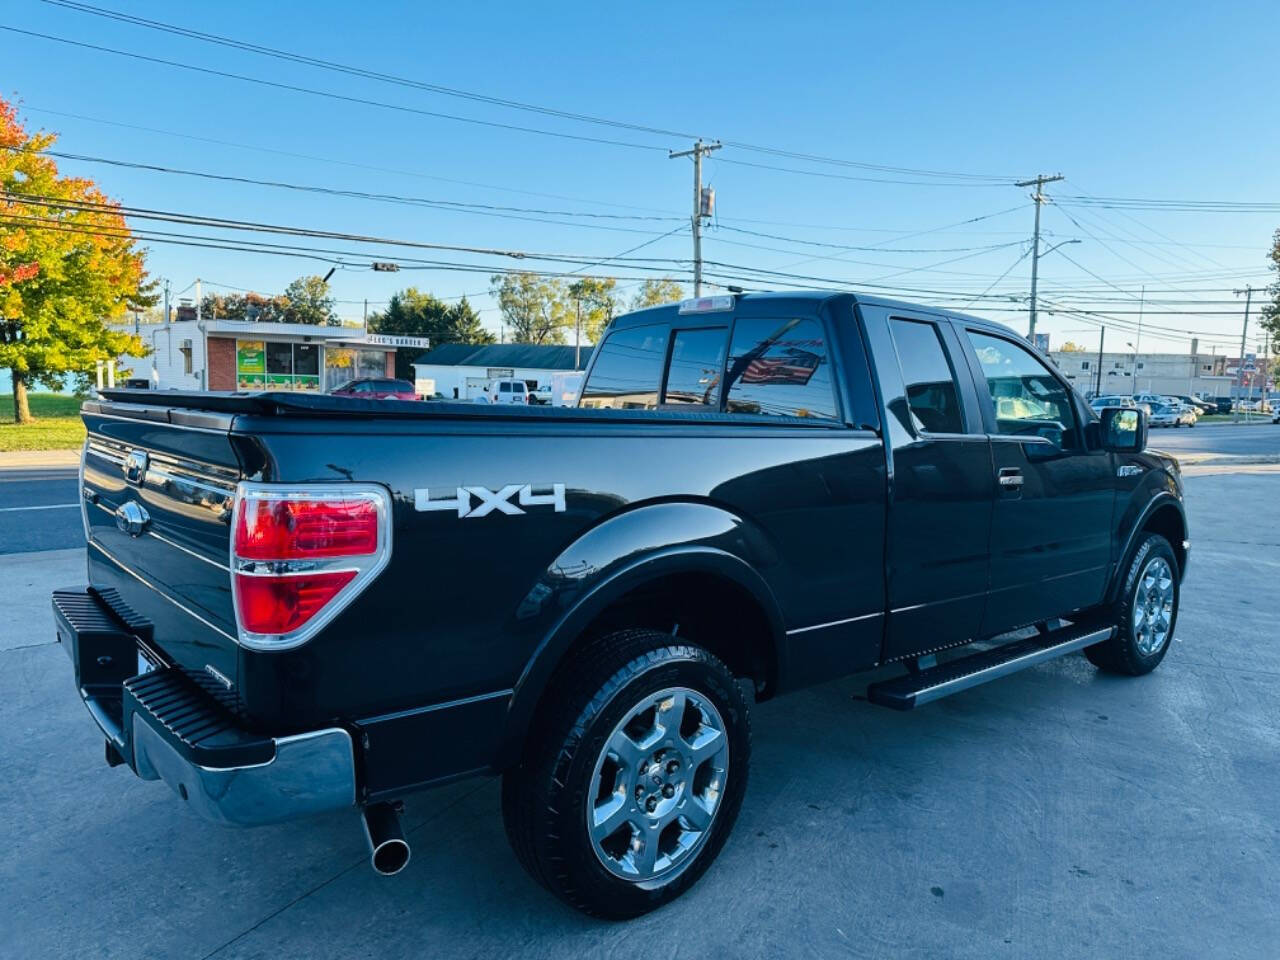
<point x="299" y="554"/>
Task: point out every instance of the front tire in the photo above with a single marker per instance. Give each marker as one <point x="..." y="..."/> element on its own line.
<point x="633" y="775"/>
<point x="1145" y="613"/>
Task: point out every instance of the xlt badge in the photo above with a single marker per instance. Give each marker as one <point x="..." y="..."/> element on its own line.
<point x="461" y="498"/>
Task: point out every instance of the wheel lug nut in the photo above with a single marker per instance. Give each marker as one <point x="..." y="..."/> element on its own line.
<point x="651" y="804"/>
<point x="668" y="791"/>
<point x="673" y="766"/>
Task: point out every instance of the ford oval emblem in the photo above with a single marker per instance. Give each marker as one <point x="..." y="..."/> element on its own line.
<point x="132" y="518"/>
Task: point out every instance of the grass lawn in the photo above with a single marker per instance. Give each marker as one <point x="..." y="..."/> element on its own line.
<point x="1231" y="418"/>
<point x="57" y="425"/>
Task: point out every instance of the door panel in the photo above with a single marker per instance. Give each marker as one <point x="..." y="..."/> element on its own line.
<point x="1051" y="526"/>
<point x="940" y="493"/>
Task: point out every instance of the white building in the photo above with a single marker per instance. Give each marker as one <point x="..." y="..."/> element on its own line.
<point x="460" y="370"/>
<point x="239" y="355"/>
<point x="1177" y="374"/>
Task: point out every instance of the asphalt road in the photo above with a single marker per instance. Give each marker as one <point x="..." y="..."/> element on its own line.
<point x="39" y="510"/>
<point x="1054" y="813"/>
<point x="1223" y="439"/>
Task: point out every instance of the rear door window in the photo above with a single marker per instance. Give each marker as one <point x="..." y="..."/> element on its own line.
<point x="627" y="371"/>
<point x="696" y="366"/>
<point x="932" y="396"/>
<point x="780" y="367"/>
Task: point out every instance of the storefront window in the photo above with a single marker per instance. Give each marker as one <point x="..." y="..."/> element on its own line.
<point x="279" y="366"/>
<point x="306" y="366"/>
<point x="251" y="368"/>
<point x="344" y="364"/>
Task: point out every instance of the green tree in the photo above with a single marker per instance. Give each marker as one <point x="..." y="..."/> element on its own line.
<point x="653" y="293"/>
<point x="413" y="312"/>
<point x="308" y="300"/>
<point x="1271" y="311"/>
<point x="534" y="308"/>
<point x="245" y="307"/>
<point x="69" y="266"/>
<point x="598" y="302"/>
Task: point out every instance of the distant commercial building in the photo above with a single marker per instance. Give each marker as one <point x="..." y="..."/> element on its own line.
<point x="237" y="355"/>
<point x="1190" y="374"/>
<point x="459" y="371"/>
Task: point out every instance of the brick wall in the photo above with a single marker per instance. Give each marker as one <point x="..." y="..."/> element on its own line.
<point x="222" y="363"/>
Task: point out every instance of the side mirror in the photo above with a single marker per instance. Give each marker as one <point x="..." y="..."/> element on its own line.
<point x="1123" y="429"/>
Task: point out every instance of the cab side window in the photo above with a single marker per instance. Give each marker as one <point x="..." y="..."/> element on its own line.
<point x="932" y="396"/>
<point x="1026" y="398"/>
<point x="697" y="361"/>
<point x="627" y="371"/>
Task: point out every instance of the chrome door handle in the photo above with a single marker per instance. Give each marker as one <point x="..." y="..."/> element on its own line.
<point x="1010" y="480"/>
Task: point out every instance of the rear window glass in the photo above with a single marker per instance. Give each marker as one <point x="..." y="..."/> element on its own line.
<point x="697" y="361"/>
<point x="780" y="368"/>
<point x="627" y="370"/>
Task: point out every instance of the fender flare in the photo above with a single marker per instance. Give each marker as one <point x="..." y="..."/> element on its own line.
<point x="626" y="570"/>
<point x="1161" y="500"/>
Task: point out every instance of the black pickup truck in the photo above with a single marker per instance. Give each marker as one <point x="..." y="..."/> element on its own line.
<point x="301" y="603"/>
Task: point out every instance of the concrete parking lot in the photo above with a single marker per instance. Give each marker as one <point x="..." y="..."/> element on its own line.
<point x="1055" y="813"/>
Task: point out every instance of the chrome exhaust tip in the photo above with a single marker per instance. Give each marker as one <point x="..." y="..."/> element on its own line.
<point x="388" y="849"/>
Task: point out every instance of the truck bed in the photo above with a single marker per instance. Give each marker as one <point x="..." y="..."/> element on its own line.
<point x="175" y="406"/>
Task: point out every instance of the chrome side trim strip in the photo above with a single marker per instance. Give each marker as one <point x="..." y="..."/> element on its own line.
<point x="177" y="546"/>
<point x="834" y="623"/>
<point x="1011" y="666"/>
<point x="228" y="491"/>
<point x="147" y="583"/>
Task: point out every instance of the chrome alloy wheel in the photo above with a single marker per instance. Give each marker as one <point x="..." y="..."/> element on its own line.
<point x="657" y="785"/>
<point x="1153" y="607"/>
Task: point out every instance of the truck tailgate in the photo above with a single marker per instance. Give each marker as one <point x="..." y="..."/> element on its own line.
<point x="158" y="488"/>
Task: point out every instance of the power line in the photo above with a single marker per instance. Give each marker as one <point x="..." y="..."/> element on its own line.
<point x="310" y="91"/>
<point x="1186" y="206"/>
<point x="483" y="209"/>
<point x="218" y="141"/>
<point x="258" y="227"/>
<point x="846" y="176"/>
<point x="363" y="72"/>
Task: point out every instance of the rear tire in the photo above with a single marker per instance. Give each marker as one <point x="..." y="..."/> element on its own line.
<point x="633" y="774"/>
<point x="1145" y="613"/>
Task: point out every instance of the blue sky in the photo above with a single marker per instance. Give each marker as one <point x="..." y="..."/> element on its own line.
<point x="1163" y="100"/>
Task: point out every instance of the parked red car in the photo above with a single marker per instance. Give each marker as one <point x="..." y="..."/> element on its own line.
<point x="377" y="388"/>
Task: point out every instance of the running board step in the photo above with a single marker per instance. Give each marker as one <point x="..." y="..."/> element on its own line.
<point x="913" y="689"/>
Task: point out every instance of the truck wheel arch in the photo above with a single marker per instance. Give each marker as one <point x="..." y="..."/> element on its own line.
<point x="685" y="576"/>
<point x="1163" y="515"/>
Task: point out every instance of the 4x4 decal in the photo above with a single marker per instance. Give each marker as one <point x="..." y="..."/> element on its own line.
<point x="547" y="495"/>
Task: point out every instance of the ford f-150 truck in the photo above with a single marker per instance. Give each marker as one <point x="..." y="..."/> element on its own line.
<point x="299" y="603"/>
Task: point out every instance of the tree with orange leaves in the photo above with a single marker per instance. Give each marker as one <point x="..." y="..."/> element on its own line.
<point x="68" y="266"/>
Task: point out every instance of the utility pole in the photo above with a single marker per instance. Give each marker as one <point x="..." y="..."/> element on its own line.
<point x="1142" y="306"/>
<point x="1102" y="338"/>
<point x="1038" y="197"/>
<point x="699" y="148"/>
<point x="1244" y="332"/>
<point x="1266" y="367"/>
